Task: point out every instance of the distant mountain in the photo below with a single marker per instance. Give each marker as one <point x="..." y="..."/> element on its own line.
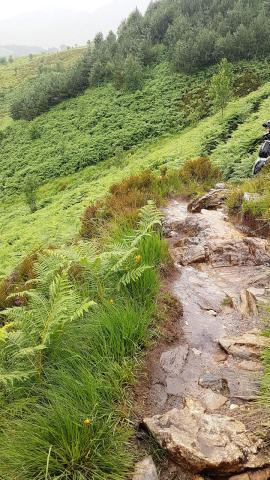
<point x="19" y="50"/>
<point x="55" y="27"/>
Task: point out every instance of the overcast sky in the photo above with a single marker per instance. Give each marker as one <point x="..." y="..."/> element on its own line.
<point x="12" y="8"/>
<point x="51" y="23"/>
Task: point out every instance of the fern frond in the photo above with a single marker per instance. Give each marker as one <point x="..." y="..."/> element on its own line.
<point x="84" y="308"/>
<point x="123" y="259"/>
<point x="29" y="351"/>
<point x="16" y="376"/>
<point x="150" y="216"/>
<point x="4" y="331"/>
<point x="133" y="275"/>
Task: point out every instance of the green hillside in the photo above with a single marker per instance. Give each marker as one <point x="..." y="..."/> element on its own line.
<point x="13" y="74"/>
<point x="231" y="142"/>
<point x="82" y="253"/>
<point x="104" y="122"/>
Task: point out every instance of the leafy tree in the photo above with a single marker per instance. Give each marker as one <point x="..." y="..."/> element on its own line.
<point x="42" y="93"/>
<point x="221" y="85"/>
<point x="111" y="43"/>
<point x="30" y="192"/>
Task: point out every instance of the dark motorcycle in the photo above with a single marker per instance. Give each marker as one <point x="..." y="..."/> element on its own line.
<point x="264" y="153"/>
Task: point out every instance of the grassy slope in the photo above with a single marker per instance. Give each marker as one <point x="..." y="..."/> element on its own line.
<point x="44" y="434"/>
<point x="22" y="69"/>
<point x="63" y="200"/>
<point x="92" y="127"/>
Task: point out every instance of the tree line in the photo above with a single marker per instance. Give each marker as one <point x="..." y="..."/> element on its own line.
<point x="190" y="34"/>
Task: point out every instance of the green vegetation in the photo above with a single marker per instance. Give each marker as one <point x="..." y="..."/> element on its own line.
<point x="231" y="142"/>
<point x="76" y="320"/>
<point x="30" y="193"/>
<point x="221" y="86"/>
<point x="252" y="210"/>
<point x="190" y="35"/>
<point x="81" y="247"/>
<point x="15" y="74"/>
<point x="95" y="126"/>
<point x="104" y="122"/>
<point x="67" y="355"/>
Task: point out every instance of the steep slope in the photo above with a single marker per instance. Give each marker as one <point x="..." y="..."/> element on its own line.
<point x="15" y="73"/>
<point x="62" y="201"/>
<point x="104" y="121"/>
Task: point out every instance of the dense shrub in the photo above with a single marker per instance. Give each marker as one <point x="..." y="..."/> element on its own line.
<point x="124" y="201"/>
<point x="246" y="82"/>
<point x="199" y="169"/>
<point x="30" y="192"/>
<point x="254" y="213"/>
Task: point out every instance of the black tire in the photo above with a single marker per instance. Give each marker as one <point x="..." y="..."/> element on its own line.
<point x="258" y="165"/>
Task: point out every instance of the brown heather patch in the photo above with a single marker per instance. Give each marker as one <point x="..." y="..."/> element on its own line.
<point x="16" y="282"/>
<point x="199" y="169"/>
<point x="127" y="197"/>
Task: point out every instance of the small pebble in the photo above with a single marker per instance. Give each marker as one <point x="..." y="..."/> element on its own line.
<point x="196" y="352"/>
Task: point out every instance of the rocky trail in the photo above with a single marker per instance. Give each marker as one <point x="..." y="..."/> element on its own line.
<point x="198" y="404"/>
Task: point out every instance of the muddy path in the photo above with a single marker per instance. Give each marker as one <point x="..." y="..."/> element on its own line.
<point x="221" y="281"/>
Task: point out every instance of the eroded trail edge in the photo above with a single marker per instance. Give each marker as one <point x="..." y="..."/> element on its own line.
<point x="201" y="386"/>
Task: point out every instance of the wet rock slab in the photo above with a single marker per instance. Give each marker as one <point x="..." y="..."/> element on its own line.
<point x="173" y="360"/>
<point x="172" y="363"/>
<point x="214" y="382"/>
<point x="212" y="401"/>
<point x="221" y="253"/>
<point x="204" y="442"/>
<point x="250" y="366"/>
<point x="221" y="279"/>
<point x="145" y="470"/>
<point x="231" y="382"/>
<point x="248" y="346"/>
